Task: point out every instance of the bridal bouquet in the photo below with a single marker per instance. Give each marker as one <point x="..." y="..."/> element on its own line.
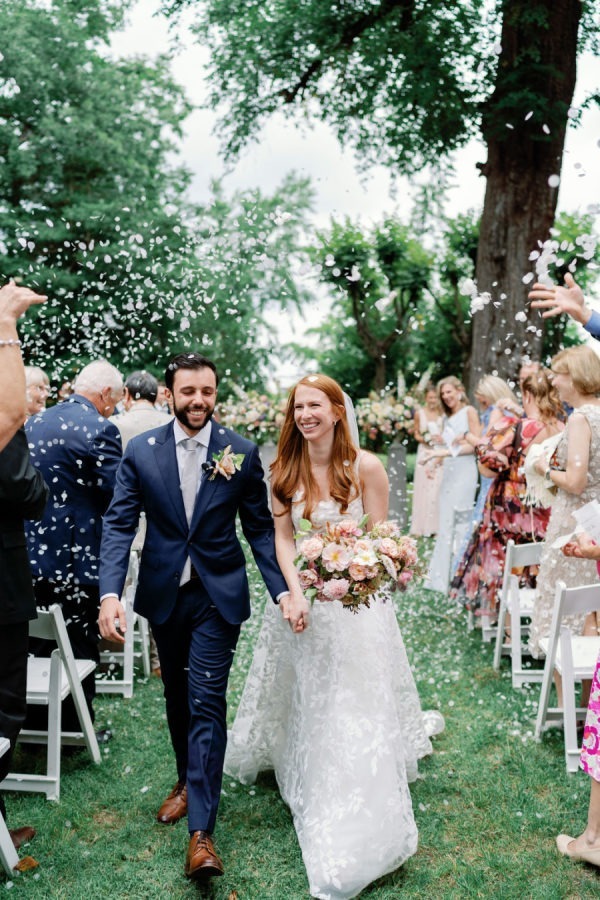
<point x="347" y="563"/>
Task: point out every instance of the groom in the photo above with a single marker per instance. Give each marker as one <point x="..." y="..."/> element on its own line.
<point x="191" y="477"/>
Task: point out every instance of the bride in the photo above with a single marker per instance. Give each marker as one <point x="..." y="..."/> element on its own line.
<point x="330" y="704"/>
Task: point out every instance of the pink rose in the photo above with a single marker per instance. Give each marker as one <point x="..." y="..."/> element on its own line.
<point x="357" y="572"/>
<point x="335" y="589"/>
<point x="312" y="548"/>
<point x="405" y="577"/>
<point x="308" y="578"/>
<point x="349" y="528"/>
<point x="225" y="466"/>
<point x="389" y="547"/>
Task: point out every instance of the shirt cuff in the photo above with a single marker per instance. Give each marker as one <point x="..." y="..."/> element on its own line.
<point x="104" y="596"/>
<point x="279" y="597"/>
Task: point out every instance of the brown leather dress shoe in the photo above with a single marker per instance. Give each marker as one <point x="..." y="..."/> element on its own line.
<point x="202" y="860"/>
<point x="175" y="806"/>
<point x="22" y="835"/>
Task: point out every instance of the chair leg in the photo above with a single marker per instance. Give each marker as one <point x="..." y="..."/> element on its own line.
<point x="8" y="854"/>
<point x="54" y="728"/>
<point x="500" y="634"/>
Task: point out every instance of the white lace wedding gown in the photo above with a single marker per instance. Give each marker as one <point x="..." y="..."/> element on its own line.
<point x="335" y="712"/>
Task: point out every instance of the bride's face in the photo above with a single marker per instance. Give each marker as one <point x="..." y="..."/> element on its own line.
<point x="313" y="413"/>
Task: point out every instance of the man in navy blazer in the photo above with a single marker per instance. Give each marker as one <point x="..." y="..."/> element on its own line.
<point x="78" y="452"/>
<point x="193" y="585"/>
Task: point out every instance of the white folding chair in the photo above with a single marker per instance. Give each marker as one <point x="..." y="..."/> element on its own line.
<point x="8" y="854"/>
<point x="49" y="682"/>
<point x="518" y="602"/>
<point x="136" y="646"/>
<point x="574" y="659"/>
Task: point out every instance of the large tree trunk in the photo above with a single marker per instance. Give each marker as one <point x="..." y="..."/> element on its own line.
<point x="519" y="204"/>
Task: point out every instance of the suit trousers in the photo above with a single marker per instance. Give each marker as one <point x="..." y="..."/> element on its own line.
<point x="13" y="689"/>
<point x="196" y="647"/>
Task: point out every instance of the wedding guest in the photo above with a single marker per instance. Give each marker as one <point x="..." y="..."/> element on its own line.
<point x="140" y="415"/>
<point x="574" y="471"/>
<point x="37" y="389"/>
<point x="501" y="455"/>
<point x="319" y="707"/>
<point x="586" y="847"/>
<point x="78" y="452"/>
<point x="14" y="301"/>
<point x="193" y="586"/>
<point x="427" y="480"/>
<point x="23" y="495"/>
<point x="459" y="476"/>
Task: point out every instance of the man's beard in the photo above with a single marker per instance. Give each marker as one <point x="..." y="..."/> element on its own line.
<point x="182" y="416"/>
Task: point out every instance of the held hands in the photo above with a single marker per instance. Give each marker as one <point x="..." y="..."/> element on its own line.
<point x="111" y="613"/>
<point x="556" y="300"/>
<point x="295" y="608"/>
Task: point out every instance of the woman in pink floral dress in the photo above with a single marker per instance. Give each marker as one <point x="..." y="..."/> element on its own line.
<point x="506" y="516"/>
<point x="586" y="847"/>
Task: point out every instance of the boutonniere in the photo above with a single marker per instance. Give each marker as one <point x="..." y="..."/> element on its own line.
<point x="224" y="463"/>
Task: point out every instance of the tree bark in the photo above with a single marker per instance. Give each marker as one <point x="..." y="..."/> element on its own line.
<point x="537" y="73"/>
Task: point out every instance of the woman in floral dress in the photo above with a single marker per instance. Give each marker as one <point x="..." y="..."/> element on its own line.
<point x="576" y="476"/>
<point x="506" y="516"/>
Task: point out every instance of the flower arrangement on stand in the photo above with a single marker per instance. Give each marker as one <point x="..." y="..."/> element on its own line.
<point x="257" y="416"/>
<point x="383" y="417"/>
<point x="347" y="563"/>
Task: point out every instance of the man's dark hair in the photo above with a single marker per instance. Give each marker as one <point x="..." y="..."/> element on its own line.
<point x="142" y="386"/>
<point x="188" y="361"/>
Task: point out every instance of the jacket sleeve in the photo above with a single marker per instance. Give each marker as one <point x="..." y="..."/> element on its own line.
<point x="593" y="325"/>
<point x="119" y="526"/>
<point x="21" y="484"/>
<point x="106" y="452"/>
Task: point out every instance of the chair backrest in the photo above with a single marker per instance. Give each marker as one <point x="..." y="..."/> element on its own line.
<point x="50" y="625"/>
<point x="518" y="555"/>
<point x="576" y="600"/>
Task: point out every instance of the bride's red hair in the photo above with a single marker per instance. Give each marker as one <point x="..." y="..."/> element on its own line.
<point x="291" y="467"/>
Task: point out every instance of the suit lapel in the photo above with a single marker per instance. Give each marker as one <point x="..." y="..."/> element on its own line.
<point x="218" y="441"/>
<point x="166" y="458"/>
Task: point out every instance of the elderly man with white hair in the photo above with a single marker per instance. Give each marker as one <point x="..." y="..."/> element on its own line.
<point x="78" y="451"/>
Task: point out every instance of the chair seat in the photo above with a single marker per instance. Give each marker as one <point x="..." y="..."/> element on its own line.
<point x="38" y="679"/>
<point x="585" y="655"/>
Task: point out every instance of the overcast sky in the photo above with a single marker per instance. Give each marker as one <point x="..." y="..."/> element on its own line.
<point x="315" y="151"/>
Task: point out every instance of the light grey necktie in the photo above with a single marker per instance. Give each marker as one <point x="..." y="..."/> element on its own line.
<point x="189" y="476"/>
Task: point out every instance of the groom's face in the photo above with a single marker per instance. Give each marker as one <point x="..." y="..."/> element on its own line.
<point x="194" y="396"/>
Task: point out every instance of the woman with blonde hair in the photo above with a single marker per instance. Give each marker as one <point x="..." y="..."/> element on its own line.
<point x="321" y="703"/>
<point x="459" y="476"/>
<point x="573" y="472"/>
<point x="507" y="515"/>
<point x="427" y="480"/>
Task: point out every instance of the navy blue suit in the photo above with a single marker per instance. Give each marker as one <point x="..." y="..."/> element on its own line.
<point x="23" y="495"/>
<point x="196" y="626"/>
<point x="78" y="452"/>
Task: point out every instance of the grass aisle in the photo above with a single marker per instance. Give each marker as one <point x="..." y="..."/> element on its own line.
<point x="488" y="803"/>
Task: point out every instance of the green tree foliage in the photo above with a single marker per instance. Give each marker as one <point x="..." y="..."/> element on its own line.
<point x="377" y="282"/>
<point x="93" y="213"/>
<point x="409" y="310"/>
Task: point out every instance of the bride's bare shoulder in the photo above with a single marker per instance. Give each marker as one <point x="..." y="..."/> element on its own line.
<point x="369" y="464"/>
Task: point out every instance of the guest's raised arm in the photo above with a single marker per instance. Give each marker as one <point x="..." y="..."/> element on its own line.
<point x="568" y="299"/>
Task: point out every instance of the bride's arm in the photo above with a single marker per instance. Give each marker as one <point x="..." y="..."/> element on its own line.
<point x="294" y="606"/>
<point x="375" y="488"/>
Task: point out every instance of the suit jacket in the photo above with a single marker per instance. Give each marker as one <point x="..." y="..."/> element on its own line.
<point x="593" y="326"/>
<point x="23" y="495"/>
<point x="78" y="452"/>
<point x="137" y="420"/>
<point x="148" y="479"/>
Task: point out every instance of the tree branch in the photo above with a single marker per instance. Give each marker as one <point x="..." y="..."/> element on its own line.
<point x="347" y="37"/>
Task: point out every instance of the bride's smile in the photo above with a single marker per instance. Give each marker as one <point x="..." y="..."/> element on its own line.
<point x="313" y="413"/>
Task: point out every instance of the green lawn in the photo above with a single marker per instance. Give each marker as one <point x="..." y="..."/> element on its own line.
<point x="488" y="803"/>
